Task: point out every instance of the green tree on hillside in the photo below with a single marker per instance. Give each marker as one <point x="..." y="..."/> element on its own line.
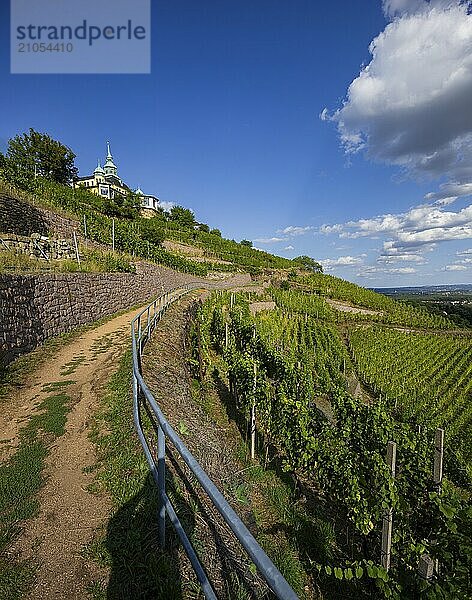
<point x="308" y="263"/>
<point x="151" y="231"/>
<point x="35" y="154"/>
<point x="126" y="207"/>
<point x="182" y="216"/>
<point x="216" y="232"/>
<point x="247" y="243"/>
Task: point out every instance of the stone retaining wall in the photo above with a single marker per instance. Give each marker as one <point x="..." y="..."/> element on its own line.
<point x="34" y="308"/>
<point x="36" y="246"/>
<point x="21" y="217"/>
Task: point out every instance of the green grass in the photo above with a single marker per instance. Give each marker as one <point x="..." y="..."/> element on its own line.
<point x="72" y="366"/>
<point x="91" y="261"/>
<point x="14" y="580"/>
<point x="128" y="546"/>
<point x="21" y="477"/>
<point x="55" y="386"/>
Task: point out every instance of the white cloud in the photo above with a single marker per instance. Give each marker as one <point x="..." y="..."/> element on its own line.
<point x="401" y="270"/>
<point x="167" y="206"/>
<point x="289" y="248"/>
<point x="449" y="192"/>
<point x="295" y="230"/>
<point x="399" y="258"/>
<point x="342" y="261"/>
<point x="331" y="229"/>
<point x="371" y="272"/>
<point x="455" y="268"/>
<point x="420" y="226"/>
<point x="272" y="240"/>
<point x="411" y="105"/>
<point x="464" y="252"/>
<point x="394" y="8"/>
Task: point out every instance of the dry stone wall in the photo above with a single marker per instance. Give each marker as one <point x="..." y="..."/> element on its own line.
<point x="21" y="217"/>
<point x="34" y="308"/>
<point x="36" y="246"/>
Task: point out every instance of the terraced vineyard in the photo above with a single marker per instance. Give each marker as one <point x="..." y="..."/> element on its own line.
<point x="428" y="377"/>
<point x="290" y="369"/>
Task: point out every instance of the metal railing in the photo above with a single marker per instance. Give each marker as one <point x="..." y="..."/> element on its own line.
<point x="141" y="328"/>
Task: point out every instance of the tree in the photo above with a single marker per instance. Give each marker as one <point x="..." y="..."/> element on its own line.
<point x="36" y="154"/>
<point x="216" y="232"/>
<point x="246" y="243"/>
<point x="151" y="231"/>
<point x="204" y="227"/>
<point x="308" y="263"/>
<point x="182" y="216"/>
<point x="127" y="207"/>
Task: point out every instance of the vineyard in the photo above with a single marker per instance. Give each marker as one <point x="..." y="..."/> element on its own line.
<point x="427" y="378"/>
<point x="142" y="237"/>
<point x="289" y="370"/>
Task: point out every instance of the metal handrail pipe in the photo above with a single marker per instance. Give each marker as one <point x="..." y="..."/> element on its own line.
<point x="267" y="569"/>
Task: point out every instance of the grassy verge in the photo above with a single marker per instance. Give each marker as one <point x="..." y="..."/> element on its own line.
<point x="128" y="545"/>
<point x="92" y="261"/>
<point x="21" y="477"/>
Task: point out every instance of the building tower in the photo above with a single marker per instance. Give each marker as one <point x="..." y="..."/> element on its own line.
<point x="110" y="167"/>
<point x="99" y="172"/>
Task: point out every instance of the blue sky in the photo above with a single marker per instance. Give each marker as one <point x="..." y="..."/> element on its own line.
<point x="228" y="123"/>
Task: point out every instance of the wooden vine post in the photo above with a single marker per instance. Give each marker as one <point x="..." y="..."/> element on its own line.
<point x="438" y="458"/>
<point x="226" y="335"/>
<point x="388" y="514"/>
<point x="253" y="416"/>
<point x="77" y="255"/>
<point x="437" y="478"/>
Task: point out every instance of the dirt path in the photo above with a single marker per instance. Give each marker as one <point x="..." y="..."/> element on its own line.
<point x="351" y="309"/>
<point x="69" y="513"/>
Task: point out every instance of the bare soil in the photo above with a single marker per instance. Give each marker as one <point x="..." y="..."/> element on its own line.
<point x="351" y="309"/>
<point x="69" y="513"/>
<point x="256" y="307"/>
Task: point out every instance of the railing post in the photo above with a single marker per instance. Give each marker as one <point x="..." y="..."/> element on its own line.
<point x="161" y="475"/>
<point x="139" y="335"/>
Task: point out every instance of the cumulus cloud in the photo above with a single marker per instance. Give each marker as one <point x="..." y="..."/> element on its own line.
<point x="167" y="206"/>
<point x="395" y="8"/>
<point x="455" y="268"/>
<point x="420" y="226"/>
<point x="463" y="262"/>
<point x="289" y="248"/>
<point x="371" y="272"/>
<point x="449" y="192"/>
<point x="294" y="230"/>
<point x="271" y="240"/>
<point x="342" y="261"/>
<point x="411" y="105"/>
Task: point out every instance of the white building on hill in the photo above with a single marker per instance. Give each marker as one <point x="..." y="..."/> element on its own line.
<point x="105" y="182"/>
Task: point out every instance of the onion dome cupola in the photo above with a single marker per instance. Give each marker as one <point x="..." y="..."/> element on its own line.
<point x="139" y="191"/>
<point x="99" y="170"/>
<point x="109" y="166"/>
